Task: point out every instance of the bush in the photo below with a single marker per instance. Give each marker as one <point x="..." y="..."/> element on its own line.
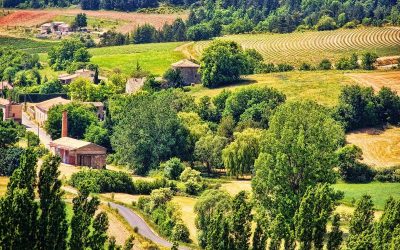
<point x="388" y="174"/>
<point x="325" y="64"/>
<point x="326" y="23"/>
<point x="350" y="25"/>
<point x="9" y="160"/>
<point x="172" y="168"/>
<point x="146" y="187"/>
<point x="265" y="68"/>
<point x="350" y="169"/>
<point x="305" y="67"/>
<point x="284" y="67"/>
<point x="350" y="63"/>
<point x="194" y="183"/>
<point x="368" y="61"/>
<point x="180" y="232"/>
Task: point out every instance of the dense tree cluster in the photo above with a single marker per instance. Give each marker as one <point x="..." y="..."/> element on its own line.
<point x="70" y="51"/>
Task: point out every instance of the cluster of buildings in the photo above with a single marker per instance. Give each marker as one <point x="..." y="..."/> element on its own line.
<point x="57" y="28"/>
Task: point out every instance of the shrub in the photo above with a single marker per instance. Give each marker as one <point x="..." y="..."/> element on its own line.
<point x="325" y="64"/>
<point x="388" y="174"/>
<point x="326" y="23"/>
<point x="180" y="232"/>
<point x="284" y="67"/>
<point x="172" y="168"/>
<point x="9" y="160"/>
<point x="146" y="187"/>
<point x="350" y="168"/>
<point x="305" y="67"/>
<point x="345" y="63"/>
<point x="194" y="183"/>
<point x="265" y="68"/>
<point x="350" y="25"/>
<point x="368" y="61"/>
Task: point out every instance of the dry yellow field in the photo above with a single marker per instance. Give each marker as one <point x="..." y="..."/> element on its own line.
<point x="122" y="197"/>
<point x="234" y="187"/>
<point x="378" y="79"/>
<point x="3" y="184"/>
<point x="66" y="171"/>
<point x="188" y="216"/>
<point x="381" y="148"/>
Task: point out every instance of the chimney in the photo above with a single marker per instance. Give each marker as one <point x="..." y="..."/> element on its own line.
<point x="64" y="125"/>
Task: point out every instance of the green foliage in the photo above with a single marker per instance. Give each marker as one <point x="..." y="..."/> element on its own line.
<point x="32" y="139"/>
<point x="385" y="228"/>
<point x="241" y="221"/>
<point x="84" y="210"/>
<point x="297" y="152"/>
<point x="360" y="107"/>
<point x="316" y="207"/>
<point x="174" y="78"/>
<point x="103" y="181"/>
<point x="361" y="225"/>
<point x="350" y="167"/>
<point x="335" y="236"/>
<point x="144" y="34"/>
<point x="326" y="23"/>
<point x="98" y="134"/>
<point x="165" y="214"/>
<point x="51" y="87"/>
<point x="82" y="89"/>
<point x="9" y="133"/>
<point x="149" y="131"/>
<point x="80" y="117"/>
<point x="12" y="61"/>
<point x="325" y="64"/>
<point x="80" y="21"/>
<point x="208" y="150"/>
<point x="350" y="63"/>
<point x="222" y="62"/>
<point x="172" y="168"/>
<point x="208" y="209"/>
<point x="69" y="51"/>
<point x="53" y="227"/>
<point x="259" y="238"/>
<point x="368" y="60"/>
<point x="239" y="156"/>
<point x="18" y="209"/>
<point x="193" y="181"/>
<point x="9" y="160"/>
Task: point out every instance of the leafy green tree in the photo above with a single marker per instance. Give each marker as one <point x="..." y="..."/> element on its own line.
<point x="98" y="134"/>
<point x="10" y="160"/>
<point x="368" y="60"/>
<point x="350" y="167"/>
<point x="84" y="210"/>
<point x="297" y="152"/>
<point x="326" y="23"/>
<point x="172" y="168"/>
<point x="312" y="217"/>
<point x="9" y="133"/>
<point x="82" y="89"/>
<point x="259" y="238"/>
<point x="211" y="203"/>
<point x="144" y="34"/>
<point x="53" y="227"/>
<point x="80" y="117"/>
<point x="18" y="209"/>
<point x="67" y="52"/>
<point x="395" y="239"/>
<point x="361" y="225"/>
<point x="80" y="20"/>
<point x="99" y="235"/>
<point x="239" y="156"/>
<point x="143" y="137"/>
<point x="387" y="224"/>
<point x="222" y="62"/>
<point x="325" y="64"/>
<point x="241" y="221"/>
<point x="174" y="78"/>
<point x="335" y="236"/>
<point x="51" y="87"/>
<point x="208" y="150"/>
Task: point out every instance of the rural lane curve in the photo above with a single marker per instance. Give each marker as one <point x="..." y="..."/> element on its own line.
<point x="31" y="126"/>
<point x="135" y="220"/>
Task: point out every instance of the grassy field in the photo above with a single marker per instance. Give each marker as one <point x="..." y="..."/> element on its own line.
<point x="3" y="185"/>
<point x="380" y="147"/>
<point x="311" y="47"/>
<point x="379" y="192"/>
<point x="27" y="44"/>
<point x="321" y="86"/>
<point x="155" y="58"/>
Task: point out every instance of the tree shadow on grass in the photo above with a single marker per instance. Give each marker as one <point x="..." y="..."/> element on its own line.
<point x="240" y="82"/>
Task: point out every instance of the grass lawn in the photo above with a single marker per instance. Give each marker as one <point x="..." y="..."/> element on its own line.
<point x="321" y="86"/>
<point x="188" y="216"/>
<point x="379" y="192"/>
<point x="155" y="58"/>
<point x="29" y="45"/>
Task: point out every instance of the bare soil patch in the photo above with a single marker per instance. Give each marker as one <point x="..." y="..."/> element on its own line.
<point x="381" y="148"/>
<point x="30" y="18"/>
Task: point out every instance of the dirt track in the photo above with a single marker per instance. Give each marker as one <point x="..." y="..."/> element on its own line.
<point x="30" y="18"/>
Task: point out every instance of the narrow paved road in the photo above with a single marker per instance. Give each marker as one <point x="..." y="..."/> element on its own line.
<point x="33" y="127"/>
<point x="135" y="220"/>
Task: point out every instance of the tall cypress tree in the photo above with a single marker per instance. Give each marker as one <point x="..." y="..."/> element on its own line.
<point x="259" y="238"/>
<point x="99" y="234"/>
<point x="387" y="224"/>
<point x="53" y="225"/>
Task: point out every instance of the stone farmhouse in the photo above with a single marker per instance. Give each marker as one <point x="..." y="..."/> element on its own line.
<point x="78" y="152"/>
<point x="85" y="73"/>
<point x="134" y="84"/>
<point x="189" y="71"/>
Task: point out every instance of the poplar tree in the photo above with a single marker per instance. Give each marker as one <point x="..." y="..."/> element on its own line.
<point x="389" y="221"/>
<point x="18" y="209"/>
<point x="84" y="210"/>
<point x="241" y="221"/>
<point x="259" y="238"/>
<point x="99" y="234"/>
<point x="335" y="236"/>
<point x="361" y="225"/>
<point x="53" y="225"/>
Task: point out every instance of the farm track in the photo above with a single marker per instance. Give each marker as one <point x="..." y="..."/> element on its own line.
<point x="313" y="46"/>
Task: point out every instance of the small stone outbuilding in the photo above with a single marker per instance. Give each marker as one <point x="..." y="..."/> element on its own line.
<point x="11" y="110"/>
<point x="189" y="71"/>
